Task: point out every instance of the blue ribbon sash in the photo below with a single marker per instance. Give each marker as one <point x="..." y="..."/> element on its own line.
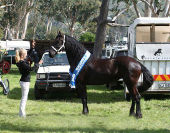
<point x="77" y="70"/>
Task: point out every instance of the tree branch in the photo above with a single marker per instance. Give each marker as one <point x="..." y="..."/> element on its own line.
<point x="121" y="12"/>
<point x="118" y="14"/>
<point x="151" y="7"/>
<point x="136" y="9"/>
<point x="3" y="6"/>
<point x="106" y="21"/>
<point x="115" y="25"/>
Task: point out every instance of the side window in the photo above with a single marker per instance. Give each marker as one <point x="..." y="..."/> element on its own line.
<point x="143" y="34"/>
<point x="108" y="53"/>
<point x="152" y="33"/>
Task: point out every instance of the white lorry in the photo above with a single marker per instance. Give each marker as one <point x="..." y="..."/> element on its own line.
<point x="149" y="42"/>
<point x="52" y="75"/>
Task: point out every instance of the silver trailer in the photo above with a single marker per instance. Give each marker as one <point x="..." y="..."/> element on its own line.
<point x="149" y="42"/>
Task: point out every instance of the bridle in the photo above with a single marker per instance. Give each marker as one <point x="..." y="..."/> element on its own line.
<point x="58" y="50"/>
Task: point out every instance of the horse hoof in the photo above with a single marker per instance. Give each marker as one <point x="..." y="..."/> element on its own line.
<point x="132" y="114"/>
<point x="85" y="112"/>
<point x="138" y="116"/>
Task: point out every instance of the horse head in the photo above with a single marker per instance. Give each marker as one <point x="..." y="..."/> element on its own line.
<point x="57" y="45"/>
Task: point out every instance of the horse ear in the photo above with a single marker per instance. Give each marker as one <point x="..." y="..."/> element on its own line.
<point x="59" y="33"/>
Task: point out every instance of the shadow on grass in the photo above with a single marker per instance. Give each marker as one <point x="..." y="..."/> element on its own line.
<point x="11" y="127"/>
<point x="156" y="96"/>
<point x="106" y="96"/>
<point x="95" y="94"/>
<point x="93" y="97"/>
<point x="16" y="94"/>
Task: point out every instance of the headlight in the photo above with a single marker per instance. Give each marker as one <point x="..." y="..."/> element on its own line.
<point x="41" y="76"/>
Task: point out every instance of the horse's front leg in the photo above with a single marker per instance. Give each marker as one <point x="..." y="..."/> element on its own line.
<point x="83" y="95"/>
<point x="85" y="107"/>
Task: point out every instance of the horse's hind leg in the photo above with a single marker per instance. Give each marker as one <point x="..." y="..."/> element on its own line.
<point x="132" y="108"/>
<point x="83" y="95"/>
<point x="138" y="108"/>
<point x="135" y="100"/>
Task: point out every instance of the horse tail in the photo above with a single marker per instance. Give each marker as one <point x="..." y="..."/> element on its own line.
<point x="147" y="79"/>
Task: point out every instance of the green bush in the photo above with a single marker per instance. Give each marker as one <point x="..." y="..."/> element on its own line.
<point x="87" y="37"/>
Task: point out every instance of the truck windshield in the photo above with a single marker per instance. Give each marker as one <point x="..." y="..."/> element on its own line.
<point x="59" y="59"/>
<point x="153" y="34"/>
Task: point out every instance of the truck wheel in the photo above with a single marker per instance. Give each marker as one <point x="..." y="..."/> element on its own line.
<point x="6" y="67"/>
<point x="38" y="93"/>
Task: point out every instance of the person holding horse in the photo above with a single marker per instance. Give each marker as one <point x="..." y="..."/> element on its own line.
<point x="24" y="69"/>
<point x="32" y="55"/>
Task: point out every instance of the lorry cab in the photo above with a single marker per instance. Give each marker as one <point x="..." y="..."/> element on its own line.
<point x="149" y="42"/>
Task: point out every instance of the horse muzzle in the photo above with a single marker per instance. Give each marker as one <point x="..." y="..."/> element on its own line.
<point x="52" y="53"/>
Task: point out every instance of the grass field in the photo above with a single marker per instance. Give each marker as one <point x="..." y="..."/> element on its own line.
<point x="109" y="112"/>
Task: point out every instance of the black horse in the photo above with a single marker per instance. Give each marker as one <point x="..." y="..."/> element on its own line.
<point x="103" y="71"/>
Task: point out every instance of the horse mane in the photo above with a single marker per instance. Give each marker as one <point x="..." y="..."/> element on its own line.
<point x="75" y="51"/>
<point x="76" y="46"/>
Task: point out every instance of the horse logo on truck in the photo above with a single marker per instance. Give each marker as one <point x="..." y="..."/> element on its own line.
<point x="158" y="52"/>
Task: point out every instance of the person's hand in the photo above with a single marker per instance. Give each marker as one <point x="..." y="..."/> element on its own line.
<point x="40" y="62"/>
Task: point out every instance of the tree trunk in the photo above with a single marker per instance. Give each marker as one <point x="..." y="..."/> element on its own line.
<point x="9" y="36"/>
<point x="26" y="14"/>
<point x="17" y="29"/>
<point x="34" y="31"/>
<point x="25" y="25"/>
<point x="50" y="27"/>
<point x="71" y="32"/>
<point x="17" y="34"/>
<point x="6" y="33"/>
<point x="101" y="29"/>
<point x="167" y="8"/>
<point x="148" y="12"/>
<point x="47" y="27"/>
<point x="71" y="28"/>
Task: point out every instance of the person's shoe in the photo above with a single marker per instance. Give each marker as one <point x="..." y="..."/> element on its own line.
<point x="22" y="116"/>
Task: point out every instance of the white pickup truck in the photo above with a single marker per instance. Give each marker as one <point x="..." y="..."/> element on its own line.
<point x="52" y="75"/>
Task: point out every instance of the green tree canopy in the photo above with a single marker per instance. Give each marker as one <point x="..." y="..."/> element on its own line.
<point x="87" y="37"/>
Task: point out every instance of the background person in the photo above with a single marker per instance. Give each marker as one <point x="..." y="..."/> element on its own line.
<point x="33" y="55"/>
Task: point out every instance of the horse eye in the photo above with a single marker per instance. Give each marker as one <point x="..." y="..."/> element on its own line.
<point x="57" y="42"/>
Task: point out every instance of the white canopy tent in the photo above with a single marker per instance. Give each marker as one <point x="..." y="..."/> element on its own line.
<point x="9" y="45"/>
